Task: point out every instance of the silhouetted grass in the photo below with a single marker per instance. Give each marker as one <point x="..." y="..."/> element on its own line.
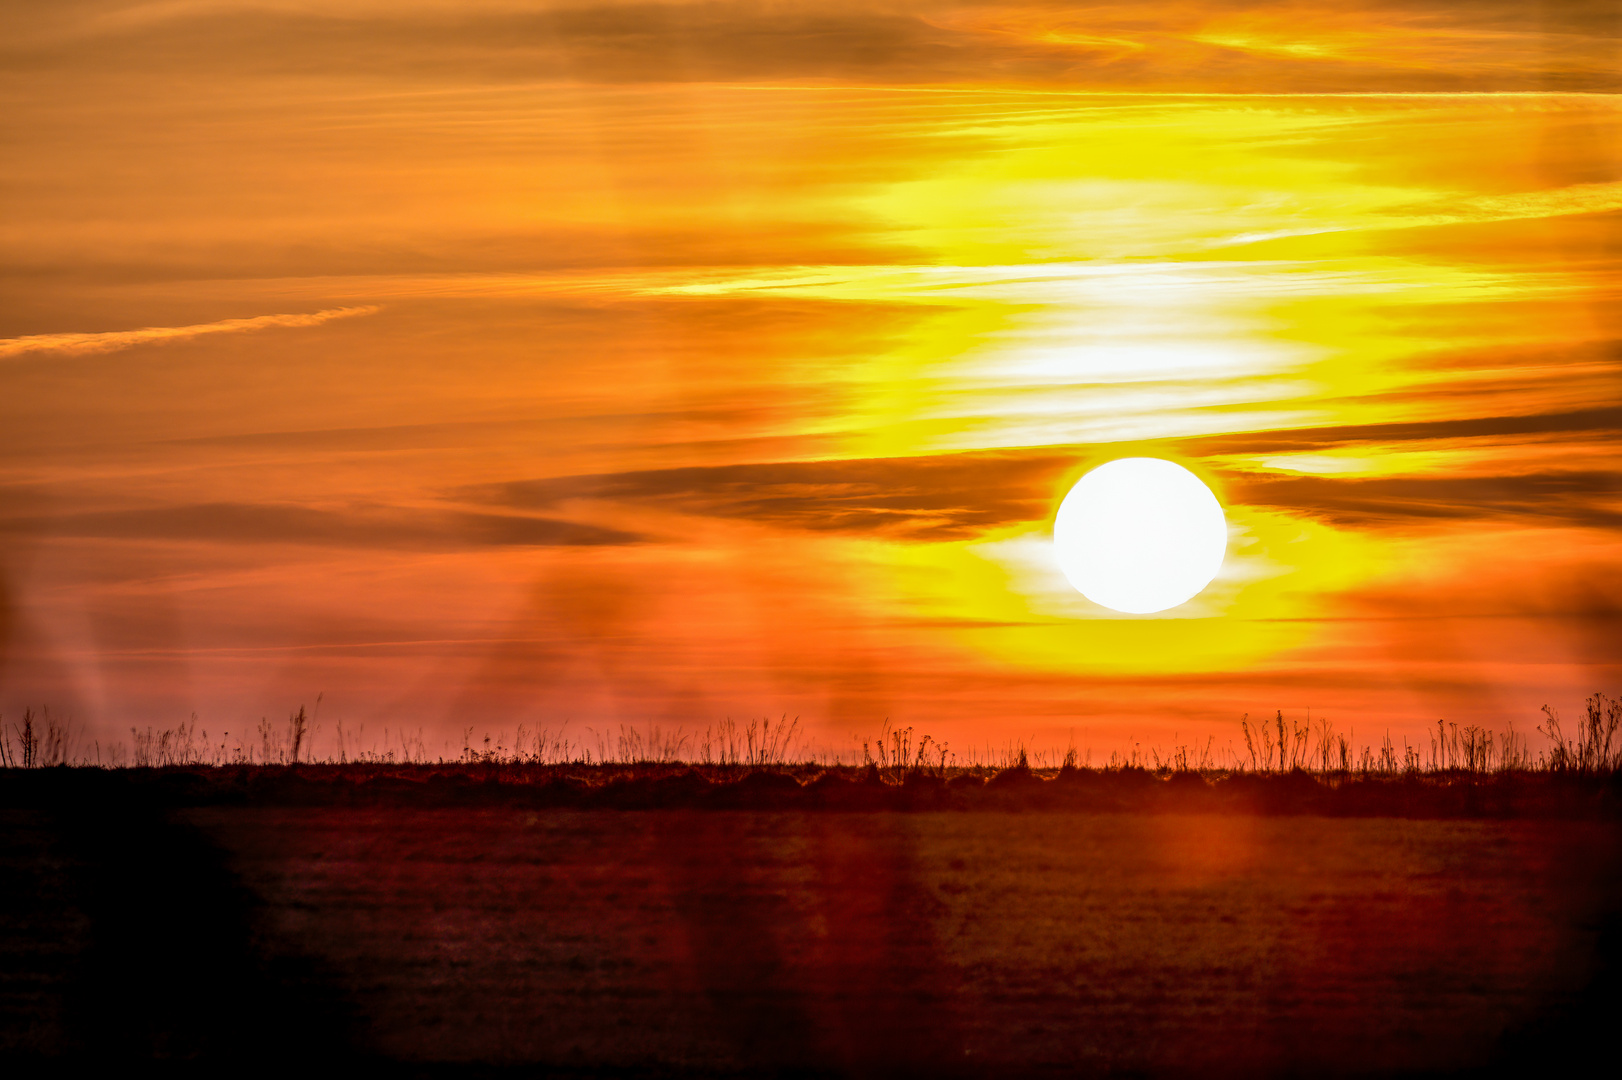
<point x="1300" y="766"/>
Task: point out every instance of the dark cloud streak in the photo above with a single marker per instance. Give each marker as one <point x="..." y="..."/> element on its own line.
<point x="958" y="496"/>
<point x="1298" y="440"/>
<point x="908" y="43"/>
<point x="1591" y="499"/>
<point x="381" y="527"/>
<point x="940" y="497"/>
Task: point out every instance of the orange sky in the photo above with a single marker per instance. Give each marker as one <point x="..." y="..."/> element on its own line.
<point x="480" y="363"/>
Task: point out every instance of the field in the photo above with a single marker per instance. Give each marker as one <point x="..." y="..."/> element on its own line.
<point x="666" y="921"/>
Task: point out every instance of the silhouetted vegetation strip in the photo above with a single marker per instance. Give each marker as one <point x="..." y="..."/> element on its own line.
<point x="1277" y="745"/>
<point x="1439" y="794"/>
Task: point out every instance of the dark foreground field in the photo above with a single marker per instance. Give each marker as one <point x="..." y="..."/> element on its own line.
<point x="430" y="921"/>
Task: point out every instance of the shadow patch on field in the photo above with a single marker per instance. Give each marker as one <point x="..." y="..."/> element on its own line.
<point x="735" y="952"/>
<point x="42" y="934"/>
<point x="896" y="1007"/>
<point x="852" y="985"/>
<point x="172" y="968"/>
<point x="1578" y="1029"/>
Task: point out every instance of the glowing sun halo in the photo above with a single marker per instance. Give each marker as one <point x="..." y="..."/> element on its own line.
<point x="1140" y="535"/>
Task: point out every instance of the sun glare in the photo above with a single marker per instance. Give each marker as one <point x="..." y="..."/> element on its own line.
<point x="1140" y="535"/>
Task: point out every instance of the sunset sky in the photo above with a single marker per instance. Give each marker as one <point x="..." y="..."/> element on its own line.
<point x="482" y="362"/>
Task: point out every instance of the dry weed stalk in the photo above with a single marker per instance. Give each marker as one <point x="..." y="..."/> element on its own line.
<point x="1596" y="748"/>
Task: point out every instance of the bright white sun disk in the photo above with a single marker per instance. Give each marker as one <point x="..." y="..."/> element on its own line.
<point x="1140" y="535"/>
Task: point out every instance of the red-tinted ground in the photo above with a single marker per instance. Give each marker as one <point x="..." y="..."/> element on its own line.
<point x="684" y="941"/>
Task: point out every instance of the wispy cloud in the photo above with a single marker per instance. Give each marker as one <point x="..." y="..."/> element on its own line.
<point x="81" y="344"/>
<point x="1598" y="198"/>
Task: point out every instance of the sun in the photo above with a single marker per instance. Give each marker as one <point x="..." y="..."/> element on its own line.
<point x="1140" y="535"/>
